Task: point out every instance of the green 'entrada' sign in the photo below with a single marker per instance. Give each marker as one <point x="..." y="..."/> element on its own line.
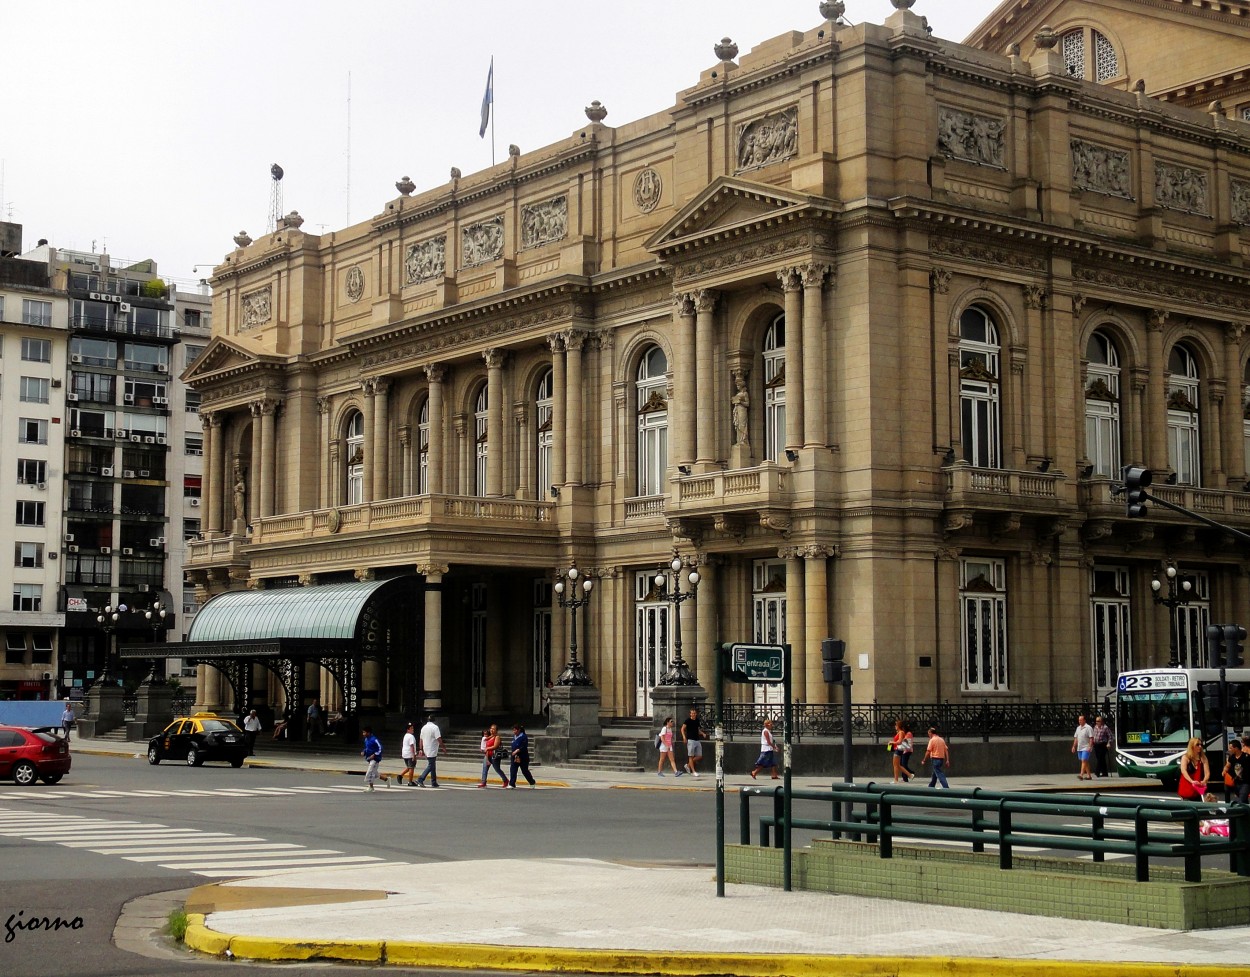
<point x="759" y="663"/>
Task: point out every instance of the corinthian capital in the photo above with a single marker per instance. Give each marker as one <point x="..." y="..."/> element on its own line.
<point x="435" y="372"/>
<point x="705" y="300"/>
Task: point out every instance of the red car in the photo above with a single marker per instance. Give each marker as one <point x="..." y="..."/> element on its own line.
<point x="28" y="755"/>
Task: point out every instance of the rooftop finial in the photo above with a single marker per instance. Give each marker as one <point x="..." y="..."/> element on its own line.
<point x="726" y="50"/>
<point x="595" y="111"/>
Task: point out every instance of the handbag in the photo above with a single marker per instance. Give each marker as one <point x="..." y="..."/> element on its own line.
<point x="1229" y="781"/>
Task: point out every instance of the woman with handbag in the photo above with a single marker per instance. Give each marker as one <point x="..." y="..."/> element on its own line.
<point x="1195" y="772"/>
<point x="490" y="755"/>
<point x="901" y="742"/>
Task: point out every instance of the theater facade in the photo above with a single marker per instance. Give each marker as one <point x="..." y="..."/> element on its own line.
<point x="863" y="326"/>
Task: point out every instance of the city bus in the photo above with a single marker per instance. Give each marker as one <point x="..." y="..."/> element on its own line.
<point x="1157" y="710"/>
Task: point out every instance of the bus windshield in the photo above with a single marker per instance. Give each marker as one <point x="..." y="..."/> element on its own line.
<point x="1144" y="718"/>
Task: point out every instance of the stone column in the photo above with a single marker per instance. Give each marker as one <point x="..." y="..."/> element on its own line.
<point x="406" y="460"/>
<point x="494" y="420"/>
<point x="705" y="379"/>
<point x="257" y="463"/>
<point x="706" y="617"/>
<point x="559" y="399"/>
<point x="434" y="456"/>
<point x="1139" y="383"/>
<point x="815" y="372"/>
<point x="433" y="652"/>
<point x="574" y="340"/>
<point x="1213" y="442"/>
<point x="465" y="448"/>
<point x="211" y="427"/>
<point x="370" y="446"/>
<point x="527" y="460"/>
<point x="796" y="632"/>
<point x="269" y="457"/>
<point x="1234" y="409"/>
<point x="1155" y="412"/>
<point x="816" y="624"/>
<point x="682" y="413"/>
<point x="327" y="467"/>
<point x="791" y="284"/>
<point x="379" y="449"/>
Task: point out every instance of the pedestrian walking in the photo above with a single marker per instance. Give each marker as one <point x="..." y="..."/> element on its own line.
<point x="767" y="760"/>
<point x="895" y="747"/>
<point x="691" y="735"/>
<point x="431" y="746"/>
<point x="907" y="746"/>
<point x="1103" y="738"/>
<point x="664" y="739"/>
<point x="520" y="753"/>
<point x="372" y="753"/>
<point x="490" y="755"/>
<point x="1237" y="771"/>
<point x="251" y="729"/>
<point x="1083" y="747"/>
<point x="312" y="728"/>
<point x="938" y="754"/>
<point x="1195" y="772"/>
<point x="67" y="719"/>
<point x="408" y="753"/>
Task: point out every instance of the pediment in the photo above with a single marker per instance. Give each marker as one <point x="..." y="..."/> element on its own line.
<point x="730" y="205"/>
<point x="222" y="356"/>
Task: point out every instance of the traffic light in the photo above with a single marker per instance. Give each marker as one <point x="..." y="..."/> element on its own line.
<point x="1215" y="643"/>
<point x="1234" y="650"/>
<point x="1136" y="481"/>
<point x="832" y="652"/>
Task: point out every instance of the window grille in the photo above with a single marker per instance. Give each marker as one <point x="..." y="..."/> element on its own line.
<point x="1106" y="64"/>
<point x="1074" y="52"/>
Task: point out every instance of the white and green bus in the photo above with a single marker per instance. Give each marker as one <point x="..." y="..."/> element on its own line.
<point x="1157" y="710"/>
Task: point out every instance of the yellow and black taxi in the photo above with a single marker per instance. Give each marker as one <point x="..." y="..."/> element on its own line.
<point x="194" y="739"/>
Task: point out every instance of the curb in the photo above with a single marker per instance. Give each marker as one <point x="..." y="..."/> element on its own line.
<point x="476" y="956"/>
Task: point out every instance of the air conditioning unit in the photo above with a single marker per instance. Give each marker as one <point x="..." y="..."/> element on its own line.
<point x="128" y="473"/>
<point x="75" y="358"/>
<point x="107" y="472"/>
<point x="128" y="398"/>
<point x="97" y="296"/>
<point x="195" y="451"/>
<point x="56" y="383"/>
<point x="73" y="397"/>
<point x="149" y="439"/>
<point x="162" y="440"/>
<point x="160" y="400"/>
<point x="51" y="554"/>
<point x="93" y="469"/>
<point x="41" y="485"/>
<point x="72" y="548"/>
<point x="69" y="537"/>
<point x="195" y="502"/>
<point x="145" y="473"/>
<point x="124" y="307"/>
<point x="155" y="542"/>
<point x="75" y="433"/>
<point x="121" y="435"/>
<point x="162" y="540"/>
<point x="127" y="551"/>
<point x="145" y="587"/>
<point x="161" y="368"/>
<point x="106" y="550"/>
<point x="136" y="438"/>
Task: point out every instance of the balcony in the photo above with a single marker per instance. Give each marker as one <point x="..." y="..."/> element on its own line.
<point x="121" y="327"/>
<point x="741" y="489"/>
<point x="1223" y="505"/>
<point x="1000" y="489"/>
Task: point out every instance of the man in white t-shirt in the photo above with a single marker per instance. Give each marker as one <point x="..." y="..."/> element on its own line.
<point x="1083" y="747"/>
<point x="431" y="744"/>
<point x="408" y="753"/>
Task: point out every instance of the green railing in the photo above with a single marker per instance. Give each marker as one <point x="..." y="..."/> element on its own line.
<point x="1105" y="824"/>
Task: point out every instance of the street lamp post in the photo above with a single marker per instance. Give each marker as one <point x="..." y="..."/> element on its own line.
<point x="155" y="617"/>
<point x="669" y="580"/>
<point x="566" y="588"/>
<point x="109" y="619"/>
<point x="1179" y="591"/>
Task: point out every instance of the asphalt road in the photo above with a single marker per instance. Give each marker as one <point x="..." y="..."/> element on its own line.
<point x="117" y="829"/>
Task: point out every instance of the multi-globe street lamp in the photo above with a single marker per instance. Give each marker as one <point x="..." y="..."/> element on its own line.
<point x="1179" y="591"/>
<point x="567" y="591"/>
<point x="669" y="580"/>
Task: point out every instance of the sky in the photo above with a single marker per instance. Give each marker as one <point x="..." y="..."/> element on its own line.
<point x="147" y="128"/>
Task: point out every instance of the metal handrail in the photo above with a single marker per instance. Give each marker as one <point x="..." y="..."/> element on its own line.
<point x="981" y="817"/>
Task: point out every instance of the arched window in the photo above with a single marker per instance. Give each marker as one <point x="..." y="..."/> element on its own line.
<point x="544" y="412"/>
<point x="1089" y="54"/>
<point x="979" y="405"/>
<point x="1183" y="421"/>
<point x="652" y="421"/>
<point x="775" y="389"/>
<point x="423" y="448"/>
<point x="355" y="459"/>
<point x="480" y="445"/>
<point x="1102" y="406"/>
<point x="1245" y="416"/>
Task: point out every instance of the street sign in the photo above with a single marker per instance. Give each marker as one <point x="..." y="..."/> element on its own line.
<point x="758" y="663"/>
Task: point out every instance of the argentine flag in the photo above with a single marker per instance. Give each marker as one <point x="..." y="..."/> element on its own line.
<point x="488" y="99"/>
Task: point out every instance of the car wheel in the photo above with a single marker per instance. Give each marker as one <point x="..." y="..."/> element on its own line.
<point x="193" y="757"/>
<point x="154" y="756"/>
<point x="236" y="763"/>
<point x="24" y="774"/>
<point x="51" y="778"/>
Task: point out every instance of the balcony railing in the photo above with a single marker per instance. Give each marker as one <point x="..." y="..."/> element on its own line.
<point x="764" y="486"/>
<point x="121" y="327"/>
<point x="1230" y="504"/>
<point x="645" y="506"/>
<point x="1001" y="488"/>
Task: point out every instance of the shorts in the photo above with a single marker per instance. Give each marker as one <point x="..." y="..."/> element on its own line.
<point x="410" y="762"/>
<point x="1082" y="754"/>
<point x="694" y="748"/>
<point x="767" y="759"/>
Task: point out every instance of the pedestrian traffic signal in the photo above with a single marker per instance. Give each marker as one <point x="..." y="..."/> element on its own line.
<point x="1215" y="643"/>
<point x="832" y="652"/>
<point x="1234" y="650"/>
<point x="1136" y="481"/>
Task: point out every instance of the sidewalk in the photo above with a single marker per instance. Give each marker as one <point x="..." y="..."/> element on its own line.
<point x="610" y="917"/>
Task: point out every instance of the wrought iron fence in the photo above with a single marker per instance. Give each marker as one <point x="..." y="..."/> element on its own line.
<point x="956" y="720"/>
<point x="182" y="705"/>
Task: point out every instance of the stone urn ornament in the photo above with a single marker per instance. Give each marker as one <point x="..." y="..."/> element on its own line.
<point x="405" y="186"/>
<point x="832" y="10"/>
<point x="726" y="50"/>
<point x="293" y="220"/>
<point x="1046" y="37"/>
<point x="243" y="239"/>
<point x="595" y="111"/>
<point x="903" y="4"/>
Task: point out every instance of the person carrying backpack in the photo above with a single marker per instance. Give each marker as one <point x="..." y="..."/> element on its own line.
<point x="664" y="742"/>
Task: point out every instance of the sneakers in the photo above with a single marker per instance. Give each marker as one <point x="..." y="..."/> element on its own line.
<point x="482" y="784"/>
<point x="752" y="774"/>
<point x="413" y="783"/>
<point x="678" y="774"/>
<point x="659" y="773"/>
<point x="512" y="787"/>
<point x="694" y="774"/>
<point x="369" y="788"/>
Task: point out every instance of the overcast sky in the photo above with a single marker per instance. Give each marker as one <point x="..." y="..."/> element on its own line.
<point x="147" y="127"/>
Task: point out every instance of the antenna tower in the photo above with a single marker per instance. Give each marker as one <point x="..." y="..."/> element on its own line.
<point x="275" y="198"/>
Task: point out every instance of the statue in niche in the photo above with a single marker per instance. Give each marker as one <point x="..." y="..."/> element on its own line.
<point x="741" y="410"/>
<point x="240" y="493"/>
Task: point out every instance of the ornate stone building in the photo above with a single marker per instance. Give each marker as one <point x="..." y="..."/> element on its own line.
<point x="865" y="325"/>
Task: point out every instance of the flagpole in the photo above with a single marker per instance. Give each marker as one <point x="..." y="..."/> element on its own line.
<point x="492" y="110"/>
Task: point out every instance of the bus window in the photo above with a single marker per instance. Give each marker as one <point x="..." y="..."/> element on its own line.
<point x="1143" y="718"/>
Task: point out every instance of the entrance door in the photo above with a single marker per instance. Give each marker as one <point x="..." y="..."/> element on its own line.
<point x="477" y="647"/>
<point x="768" y="603"/>
<point x="540" y="644"/>
<point x="651" y="638"/>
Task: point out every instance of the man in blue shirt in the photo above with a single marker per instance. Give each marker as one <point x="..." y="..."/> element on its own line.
<point x="373" y="756"/>
<point x="520" y="752"/>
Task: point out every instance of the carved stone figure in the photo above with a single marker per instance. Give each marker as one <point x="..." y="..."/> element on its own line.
<point x="768" y="140"/>
<point x="239" y="494"/>
<point x="1241" y="202"/>
<point x="482" y="242"/>
<point x="970" y="137"/>
<point x="257" y="308"/>
<point x="354" y="283"/>
<point x="647" y="189"/>
<point x="741" y="409"/>
<point x="1100" y="169"/>
<point x="544" y="222"/>
<point x="1180" y="188"/>
<point x="426" y="260"/>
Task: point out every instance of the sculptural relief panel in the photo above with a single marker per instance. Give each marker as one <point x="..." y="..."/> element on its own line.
<point x="970" y="137"/>
<point x="1101" y="170"/>
<point x="481" y="242"/>
<point x="1241" y="202"/>
<point x="1180" y="188"/>
<point x="648" y="188"/>
<point x="354" y="284"/>
<point x="768" y="140"/>
<point x="544" y="222"/>
<point x="257" y="307"/>
<point x="426" y="260"/>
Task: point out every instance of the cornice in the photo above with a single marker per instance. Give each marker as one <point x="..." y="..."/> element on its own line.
<point x="745" y="81"/>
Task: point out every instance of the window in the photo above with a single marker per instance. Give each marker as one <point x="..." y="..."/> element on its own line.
<point x="32" y="430"/>
<point x="979" y="389"/>
<point x="1110" y="620"/>
<point x="983" y="624"/>
<point x="356" y="459"/>
<point x="191" y="319"/>
<point x="190" y="529"/>
<point x="28" y="555"/>
<point x="14" y="648"/>
<point x="27" y="596"/>
<point x="93" y="387"/>
<point x="1077" y="47"/>
<point x="481" y="436"/>
<point x="1183" y="421"/>
<point x="37" y="350"/>
<point x="191" y="485"/>
<point x="1245" y="415"/>
<point x="775" y="390"/>
<point x="193" y="401"/>
<point x="1" y="308"/>
<point x="652" y="421"/>
<point x="423" y="448"/>
<point x="544" y="416"/>
<point x="153" y="359"/>
<point x="768" y="606"/>
<point x="36" y="313"/>
<point x="29" y="513"/>
<point x="194" y="444"/>
<point x="193" y="353"/>
<point x="31" y="472"/>
<point x="652" y="614"/>
<point x="41" y="645"/>
<point x="34" y="390"/>
<point x="93" y="352"/>
<point x="1192" y="620"/>
<point x="1102" y="406"/>
<point x="146" y="393"/>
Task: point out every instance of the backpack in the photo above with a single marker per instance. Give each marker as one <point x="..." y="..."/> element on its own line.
<point x="659" y="740"/>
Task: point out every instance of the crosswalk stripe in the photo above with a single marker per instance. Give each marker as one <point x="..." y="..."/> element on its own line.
<point x="116" y="841"/>
<point x="233" y="855"/>
<point x="224" y="846"/>
<point x="245" y="866"/>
